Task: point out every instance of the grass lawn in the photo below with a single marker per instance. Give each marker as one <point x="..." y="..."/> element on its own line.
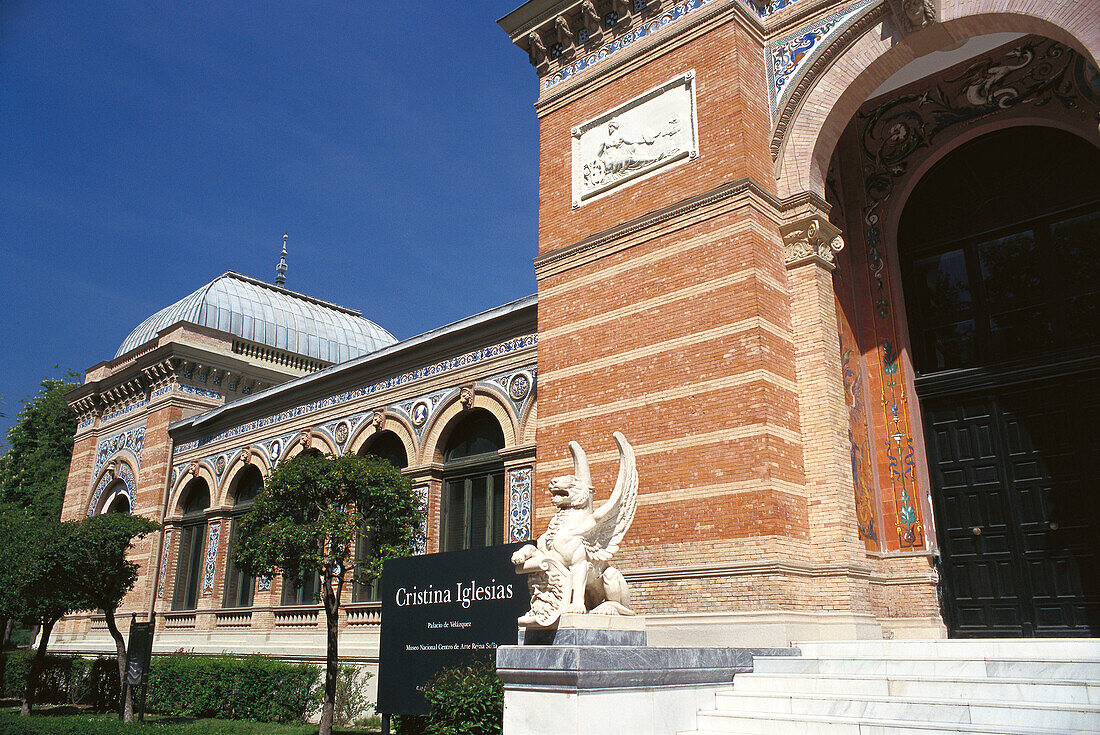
<point x="70" y="721"/>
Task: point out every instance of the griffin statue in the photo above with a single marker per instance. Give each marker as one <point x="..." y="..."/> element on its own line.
<point x="568" y="565"/>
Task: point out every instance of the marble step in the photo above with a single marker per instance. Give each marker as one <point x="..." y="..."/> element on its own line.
<point x="1032" y="649"/>
<point x="927" y="710"/>
<point x="1009" y="668"/>
<point x="976" y="688"/>
<point x="725" y="723"/>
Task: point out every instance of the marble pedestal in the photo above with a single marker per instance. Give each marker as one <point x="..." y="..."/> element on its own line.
<point x="585" y="682"/>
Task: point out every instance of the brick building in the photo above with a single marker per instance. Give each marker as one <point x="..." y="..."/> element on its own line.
<point x="825" y="263"/>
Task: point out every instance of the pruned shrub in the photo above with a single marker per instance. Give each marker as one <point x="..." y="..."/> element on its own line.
<point x="64" y="679"/>
<point x="465" y="700"/>
<point x="252" y="688"/>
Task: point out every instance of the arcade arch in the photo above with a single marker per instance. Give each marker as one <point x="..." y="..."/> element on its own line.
<point x="473" y="481"/>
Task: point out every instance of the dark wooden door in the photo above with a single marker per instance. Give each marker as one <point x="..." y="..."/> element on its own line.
<point x="1016" y="506"/>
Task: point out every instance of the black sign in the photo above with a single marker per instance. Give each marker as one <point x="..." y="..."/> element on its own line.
<point x="442" y="610"/>
<point x="138" y="652"/>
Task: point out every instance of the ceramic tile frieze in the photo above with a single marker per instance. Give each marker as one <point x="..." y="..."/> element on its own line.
<point x="444" y="366"/>
<point x="672" y="16"/>
<point x="790" y="55"/>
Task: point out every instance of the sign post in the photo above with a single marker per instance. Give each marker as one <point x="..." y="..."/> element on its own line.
<point x="139" y="651"/>
<point x="441" y="611"/>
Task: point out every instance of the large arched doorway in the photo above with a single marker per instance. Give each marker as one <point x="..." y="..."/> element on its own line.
<point x="1001" y="273"/>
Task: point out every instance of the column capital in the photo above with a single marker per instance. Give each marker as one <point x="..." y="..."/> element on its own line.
<point x="811" y="239"/>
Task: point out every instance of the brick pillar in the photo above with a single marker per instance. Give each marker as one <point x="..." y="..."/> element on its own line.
<point x="810" y="244"/>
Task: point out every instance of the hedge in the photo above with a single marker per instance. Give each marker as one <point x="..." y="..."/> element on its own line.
<point x="183" y="685"/>
<point x="252" y="688"/>
<point x="13" y="724"/>
<point x="64" y="679"/>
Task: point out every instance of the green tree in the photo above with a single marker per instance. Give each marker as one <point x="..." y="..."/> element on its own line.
<point x="34" y="469"/>
<point x="306" y="520"/>
<point x="102" y="575"/>
<point x="45" y="587"/>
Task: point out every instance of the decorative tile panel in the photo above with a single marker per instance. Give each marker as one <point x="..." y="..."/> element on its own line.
<point x="422" y="491"/>
<point x="132" y="439"/>
<point x="419" y="410"/>
<point x="444" y="366"/>
<point x="517" y="386"/>
<point x="764" y="8"/>
<point x="128" y="409"/>
<point x="164" y="563"/>
<point x="676" y="13"/>
<point x="263" y="584"/>
<point x="520" y="482"/>
<point x="792" y="54"/>
<point x="211" y="558"/>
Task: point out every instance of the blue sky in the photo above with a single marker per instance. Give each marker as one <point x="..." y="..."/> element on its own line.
<point x="148" y="147"/>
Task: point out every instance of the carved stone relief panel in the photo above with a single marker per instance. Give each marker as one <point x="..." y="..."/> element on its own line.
<point x="636" y="139"/>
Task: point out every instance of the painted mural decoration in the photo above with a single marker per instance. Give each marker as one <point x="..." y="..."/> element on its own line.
<point x="860" y="442"/>
<point x="895" y="135"/>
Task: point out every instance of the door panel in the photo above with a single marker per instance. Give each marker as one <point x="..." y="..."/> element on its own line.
<point x="1016" y="508"/>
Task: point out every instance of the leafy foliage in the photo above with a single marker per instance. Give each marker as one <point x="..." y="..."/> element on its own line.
<point x="85" y="724"/>
<point x="34" y="469"/>
<point x="465" y="700"/>
<point x="99" y="567"/>
<point x="306" y="519"/>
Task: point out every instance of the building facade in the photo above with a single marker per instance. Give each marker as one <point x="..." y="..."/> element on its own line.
<point x="828" y="265"/>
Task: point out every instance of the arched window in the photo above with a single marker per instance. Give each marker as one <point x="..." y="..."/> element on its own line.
<point x="116" y="498"/>
<point x="304" y="593"/>
<point x="473" y="482"/>
<point x="196" y="499"/>
<point x="238" y="585"/>
<point x="388" y="446"/>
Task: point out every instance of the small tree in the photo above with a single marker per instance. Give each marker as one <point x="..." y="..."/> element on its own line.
<point x="102" y="575"/>
<point x="306" y="520"/>
<point x="45" y="588"/>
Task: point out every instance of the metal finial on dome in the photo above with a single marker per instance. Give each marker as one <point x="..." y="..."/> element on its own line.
<point x="280" y="270"/>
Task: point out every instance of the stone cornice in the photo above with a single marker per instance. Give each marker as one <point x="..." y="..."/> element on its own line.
<point x="643" y="50"/>
<point x="776" y="566"/>
<point x="682" y="213"/>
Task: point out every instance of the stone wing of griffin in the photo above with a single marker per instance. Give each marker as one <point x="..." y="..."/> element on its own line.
<point x="614" y="517"/>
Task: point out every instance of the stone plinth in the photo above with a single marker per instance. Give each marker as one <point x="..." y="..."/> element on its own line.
<point x="588" y="630"/>
<point x="625" y="689"/>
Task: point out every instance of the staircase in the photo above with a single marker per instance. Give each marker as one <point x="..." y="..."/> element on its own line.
<point x="1025" y="686"/>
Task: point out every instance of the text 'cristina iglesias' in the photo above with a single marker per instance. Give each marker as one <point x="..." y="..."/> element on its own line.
<point x="464" y="593"/>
